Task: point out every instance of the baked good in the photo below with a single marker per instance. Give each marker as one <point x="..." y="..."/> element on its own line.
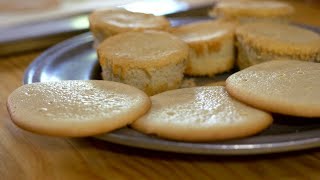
<point x="211" y="47"/>
<point x="107" y="22"/>
<point x="152" y="61"/>
<point x="248" y="11"/>
<point x="76" y="108"/>
<point x="201" y="114"/>
<point x="261" y="41"/>
<point x="285" y="86"/>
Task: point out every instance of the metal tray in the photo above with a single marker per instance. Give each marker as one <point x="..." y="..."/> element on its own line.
<point x="76" y="59"/>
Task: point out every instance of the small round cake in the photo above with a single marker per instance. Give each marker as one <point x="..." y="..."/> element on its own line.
<point x="152" y="61"/>
<point x="211" y="47"/>
<point x="248" y="11"/>
<point x="108" y="22"/>
<point x="259" y="42"/>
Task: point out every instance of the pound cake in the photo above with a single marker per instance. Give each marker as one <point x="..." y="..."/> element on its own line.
<point x="248" y="11"/>
<point x="287" y="87"/>
<point x="152" y="61"/>
<point x="201" y="114"/>
<point x="76" y="108"/>
<point x="107" y="22"/>
<point x="211" y="47"/>
<point x="261" y="41"/>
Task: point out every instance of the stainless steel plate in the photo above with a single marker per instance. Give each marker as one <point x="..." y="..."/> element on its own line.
<point x="76" y="59"/>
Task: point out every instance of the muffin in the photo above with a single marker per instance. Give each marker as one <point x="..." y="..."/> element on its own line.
<point x="259" y="42"/>
<point x="211" y="47"/>
<point x="152" y="61"/>
<point x="108" y="22"/>
<point x="248" y="11"/>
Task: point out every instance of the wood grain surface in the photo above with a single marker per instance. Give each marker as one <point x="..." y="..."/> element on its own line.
<point x="24" y="155"/>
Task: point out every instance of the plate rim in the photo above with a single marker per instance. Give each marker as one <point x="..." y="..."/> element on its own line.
<point x="31" y="74"/>
<point x="206" y="148"/>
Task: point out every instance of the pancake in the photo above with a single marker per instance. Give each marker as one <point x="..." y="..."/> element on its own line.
<point x="76" y="108"/>
<point x="201" y="114"/>
<point x="285" y="86"/>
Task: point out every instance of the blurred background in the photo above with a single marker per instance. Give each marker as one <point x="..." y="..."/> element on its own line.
<point x="34" y="24"/>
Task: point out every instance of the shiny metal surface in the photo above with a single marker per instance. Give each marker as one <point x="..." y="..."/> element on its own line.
<point x="76" y="59"/>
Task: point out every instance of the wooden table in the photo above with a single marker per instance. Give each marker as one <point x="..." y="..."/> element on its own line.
<point x="24" y="155"/>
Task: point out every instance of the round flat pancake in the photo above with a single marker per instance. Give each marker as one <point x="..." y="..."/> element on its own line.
<point x="76" y="108"/>
<point x="201" y="114"/>
<point x="285" y="86"/>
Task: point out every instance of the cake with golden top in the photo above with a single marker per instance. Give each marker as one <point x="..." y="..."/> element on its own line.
<point x="261" y="41"/>
<point x="211" y="47"/>
<point x="248" y="11"/>
<point x="108" y="22"/>
<point x="152" y="61"/>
